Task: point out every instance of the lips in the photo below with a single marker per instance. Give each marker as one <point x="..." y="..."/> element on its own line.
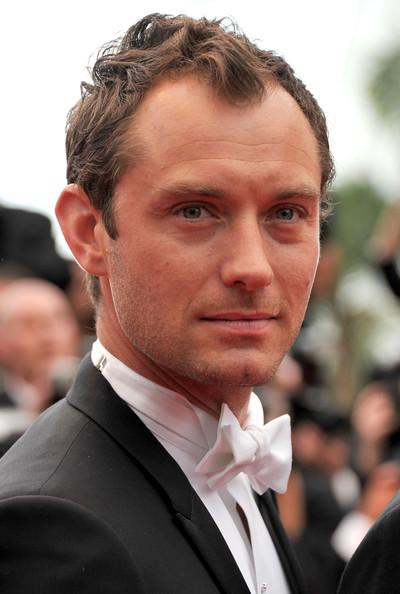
<point x="232" y="316"/>
<point x="247" y="322"/>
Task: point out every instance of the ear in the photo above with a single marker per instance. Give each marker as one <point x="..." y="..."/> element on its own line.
<point x="83" y="229"/>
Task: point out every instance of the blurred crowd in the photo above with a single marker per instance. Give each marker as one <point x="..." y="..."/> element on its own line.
<point x="46" y="321"/>
<point x="346" y="455"/>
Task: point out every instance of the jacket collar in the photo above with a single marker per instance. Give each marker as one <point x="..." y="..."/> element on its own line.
<point x="94" y="397"/>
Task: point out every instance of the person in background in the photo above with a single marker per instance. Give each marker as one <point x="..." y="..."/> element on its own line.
<point x="197" y="166"/>
<point x="39" y="352"/>
<point x="375" y="420"/>
<point x="322" y="490"/>
<point x="367" y="538"/>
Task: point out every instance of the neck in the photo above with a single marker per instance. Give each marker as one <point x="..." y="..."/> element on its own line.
<point x="208" y="397"/>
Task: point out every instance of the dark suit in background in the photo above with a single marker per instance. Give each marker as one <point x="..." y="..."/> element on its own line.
<point x="375" y="567"/>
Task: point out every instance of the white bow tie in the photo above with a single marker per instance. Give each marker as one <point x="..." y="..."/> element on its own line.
<point x="263" y="453"/>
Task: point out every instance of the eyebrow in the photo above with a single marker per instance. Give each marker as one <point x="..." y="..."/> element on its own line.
<point x="303" y="191"/>
<point x="185" y="189"/>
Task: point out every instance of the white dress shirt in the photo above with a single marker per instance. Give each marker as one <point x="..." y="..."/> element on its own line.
<point x="187" y="433"/>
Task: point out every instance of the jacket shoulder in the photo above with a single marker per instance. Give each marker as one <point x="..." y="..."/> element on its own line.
<point x="32" y="460"/>
<point x="52" y="545"/>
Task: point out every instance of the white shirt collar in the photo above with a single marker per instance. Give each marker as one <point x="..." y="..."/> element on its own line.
<point x="169" y="414"/>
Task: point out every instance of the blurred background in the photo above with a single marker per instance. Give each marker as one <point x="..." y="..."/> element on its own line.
<point x="341" y="382"/>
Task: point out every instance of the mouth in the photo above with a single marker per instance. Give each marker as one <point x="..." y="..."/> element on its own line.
<point x="241" y="322"/>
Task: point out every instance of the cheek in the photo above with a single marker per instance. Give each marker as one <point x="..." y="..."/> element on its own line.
<point x="165" y="268"/>
<point x="299" y="267"/>
<point x="64" y="338"/>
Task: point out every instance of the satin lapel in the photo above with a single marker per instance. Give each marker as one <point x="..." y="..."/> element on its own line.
<point x="289" y="562"/>
<point x="211" y="547"/>
<point x="93" y="396"/>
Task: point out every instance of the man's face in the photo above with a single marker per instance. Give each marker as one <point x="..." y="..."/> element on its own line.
<point x="217" y="241"/>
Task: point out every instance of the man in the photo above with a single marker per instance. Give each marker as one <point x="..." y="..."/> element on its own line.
<point x="196" y="166"/>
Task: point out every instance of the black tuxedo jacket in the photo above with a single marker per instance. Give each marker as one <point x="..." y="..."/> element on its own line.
<point x="90" y="502"/>
<point x="375" y="566"/>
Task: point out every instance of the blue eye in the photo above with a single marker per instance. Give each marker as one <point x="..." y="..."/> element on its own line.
<point x="191" y="212"/>
<point x="285" y="214"/>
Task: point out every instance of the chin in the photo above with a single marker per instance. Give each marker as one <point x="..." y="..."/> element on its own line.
<point x="240" y="374"/>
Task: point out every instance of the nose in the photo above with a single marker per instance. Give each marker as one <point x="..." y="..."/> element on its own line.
<point x="246" y="264"/>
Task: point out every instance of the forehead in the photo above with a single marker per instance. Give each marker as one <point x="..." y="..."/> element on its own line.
<point x="183" y="120"/>
<point x="30" y="300"/>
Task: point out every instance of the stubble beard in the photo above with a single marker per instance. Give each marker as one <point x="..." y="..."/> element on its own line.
<point x="177" y="359"/>
<point x="149" y="333"/>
